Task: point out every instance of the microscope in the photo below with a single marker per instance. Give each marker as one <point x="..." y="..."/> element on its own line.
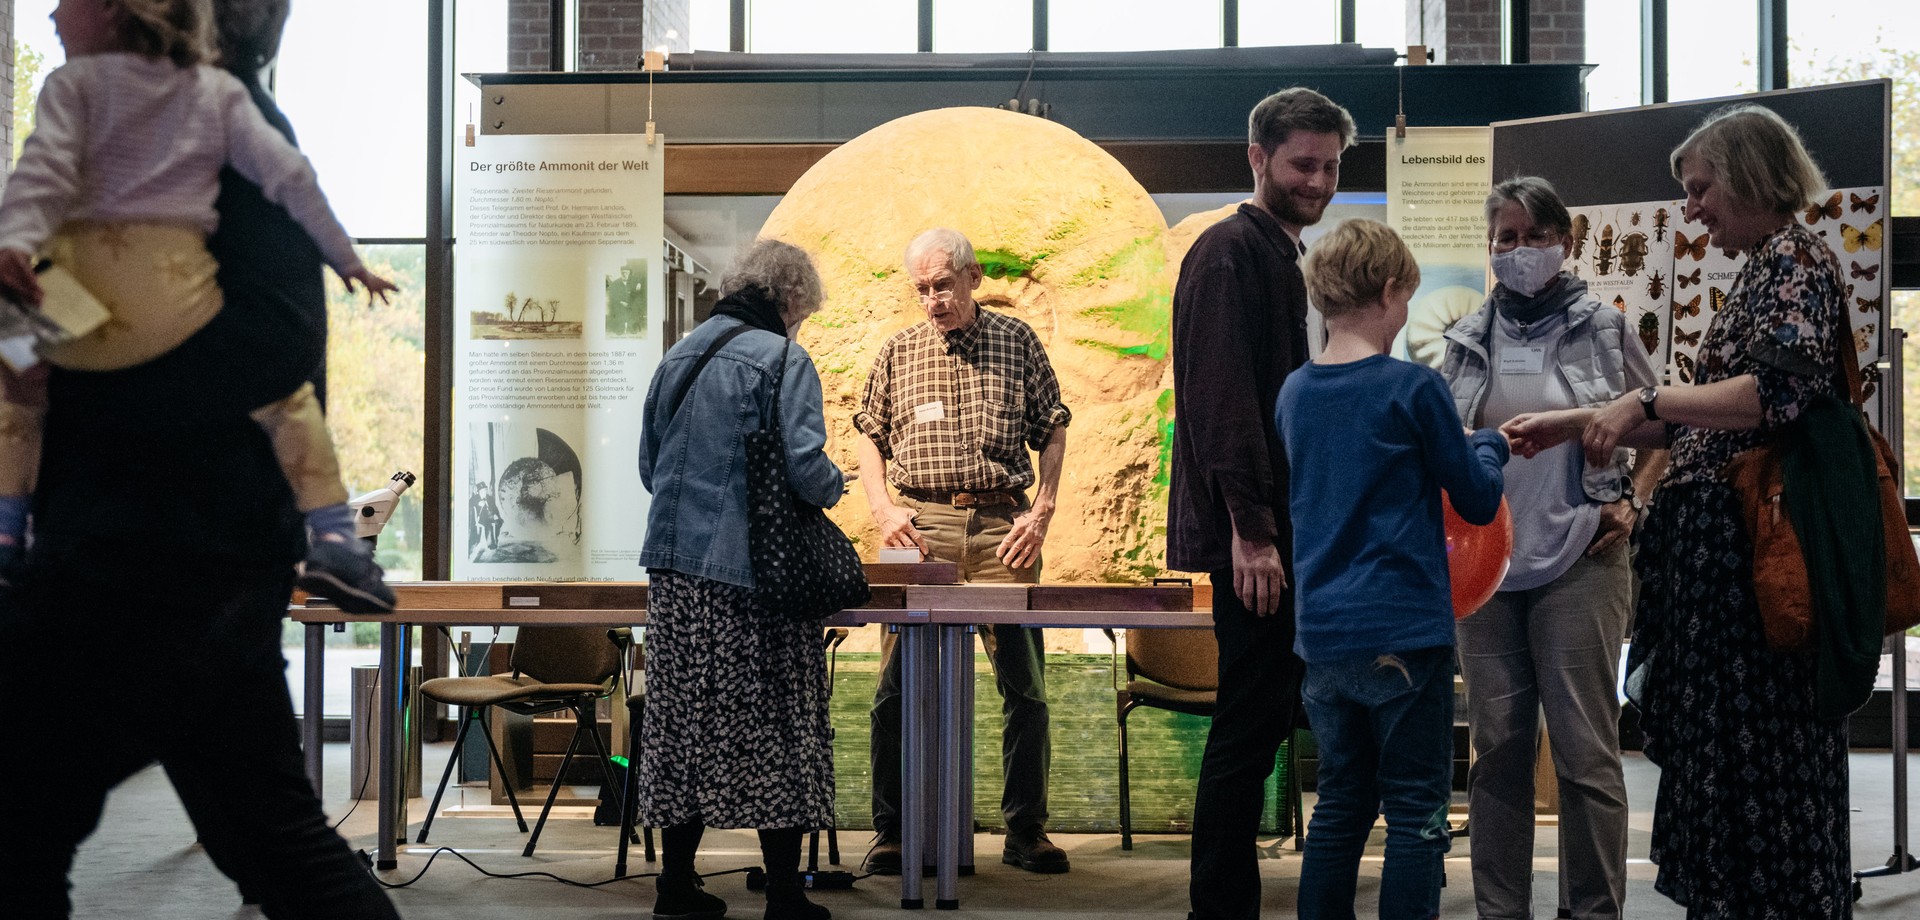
<point x="372" y="510"/>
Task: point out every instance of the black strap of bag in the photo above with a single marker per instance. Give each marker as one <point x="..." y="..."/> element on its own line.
<point x="680" y="395"/>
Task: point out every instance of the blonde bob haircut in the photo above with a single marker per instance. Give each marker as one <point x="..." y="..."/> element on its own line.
<point x="1348" y="268"/>
<point x="1760" y="159"/>
<point x="179" y="30"/>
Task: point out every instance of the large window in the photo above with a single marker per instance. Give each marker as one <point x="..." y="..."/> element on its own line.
<point x="1131" y="25"/>
<point x="832" y="26"/>
<point x="1289" y="22"/>
<point x="962" y="26"/>
<point x="1711" y="49"/>
<point x="1613" y="47"/>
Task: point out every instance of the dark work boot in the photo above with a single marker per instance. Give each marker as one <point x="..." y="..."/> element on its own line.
<point x="789" y="902"/>
<point x="1030" y="849"/>
<point x="681" y="897"/>
<point x="884" y="858"/>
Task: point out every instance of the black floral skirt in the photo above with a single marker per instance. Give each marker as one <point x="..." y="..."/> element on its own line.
<point x="1751" y="820"/>
<point x="735" y="732"/>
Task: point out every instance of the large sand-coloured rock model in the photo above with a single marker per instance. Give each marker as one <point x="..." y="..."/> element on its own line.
<point x="1071" y="244"/>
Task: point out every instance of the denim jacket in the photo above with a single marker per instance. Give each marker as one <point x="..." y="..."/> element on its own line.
<point x="1600" y="359"/>
<point x="695" y="464"/>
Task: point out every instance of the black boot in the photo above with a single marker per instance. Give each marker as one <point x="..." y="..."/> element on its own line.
<point x="682" y="897"/>
<point x="789" y="902"/>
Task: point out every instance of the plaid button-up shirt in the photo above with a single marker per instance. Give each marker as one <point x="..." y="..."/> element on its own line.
<point x="957" y="411"/>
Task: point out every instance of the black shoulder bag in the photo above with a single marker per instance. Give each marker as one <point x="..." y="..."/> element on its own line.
<point x="804" y="567"/>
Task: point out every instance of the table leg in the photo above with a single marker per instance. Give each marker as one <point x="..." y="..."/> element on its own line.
<point x="313" y="715"/>
<point x="408" y="724"/>
<point x="916" y="667"/>
<point x="954" y="817"/>
<point x="963" y="714"/>
<point x="393" y="686"/>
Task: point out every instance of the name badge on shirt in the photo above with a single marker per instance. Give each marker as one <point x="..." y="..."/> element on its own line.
<point x="1523" y="359"/>
<point x="929" y="412"/>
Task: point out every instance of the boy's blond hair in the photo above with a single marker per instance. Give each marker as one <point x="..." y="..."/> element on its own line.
<point x="1348" y="268"/>
<point x="179" y="30"/>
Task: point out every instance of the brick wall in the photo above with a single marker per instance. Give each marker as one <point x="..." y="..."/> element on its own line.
<point x="1472" y="29"/>
<point x="612" y="34"/>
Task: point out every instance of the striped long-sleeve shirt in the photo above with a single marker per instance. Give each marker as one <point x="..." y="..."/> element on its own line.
<point x="126" y="137"/>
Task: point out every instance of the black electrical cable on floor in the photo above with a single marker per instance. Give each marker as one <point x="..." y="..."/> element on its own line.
<point x="517" y="875"/>
<point x="360" y="796"/>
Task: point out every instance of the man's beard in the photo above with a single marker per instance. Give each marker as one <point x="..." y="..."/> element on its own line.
<point x="1288" y="210"/>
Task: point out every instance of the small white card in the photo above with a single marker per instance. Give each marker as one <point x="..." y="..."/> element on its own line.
<point x="18" y="352"/>
<point x="1523" y="359"/>
<point x="896" y="555"/>
<point x="929" y="412"/>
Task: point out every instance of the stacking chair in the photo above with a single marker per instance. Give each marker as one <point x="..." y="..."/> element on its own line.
<point x="554" y="668"/>
<point x="1179" y="670"/>
<point x="629" y="793"/>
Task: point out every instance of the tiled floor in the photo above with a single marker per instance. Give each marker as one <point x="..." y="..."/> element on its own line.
<point x="143" y="863"/>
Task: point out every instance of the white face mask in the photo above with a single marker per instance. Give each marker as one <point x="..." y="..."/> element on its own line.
<point x="1525" y="270"/>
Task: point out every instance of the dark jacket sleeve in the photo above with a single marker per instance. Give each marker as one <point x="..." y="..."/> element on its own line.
<point x="1214" y="360"/>
<point x="1469" y="468"/>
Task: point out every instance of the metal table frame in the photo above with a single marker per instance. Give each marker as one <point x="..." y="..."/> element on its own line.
<point x="936" y="648"/>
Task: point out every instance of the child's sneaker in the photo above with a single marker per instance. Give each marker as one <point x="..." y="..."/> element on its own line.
<point x="343" y="571"/>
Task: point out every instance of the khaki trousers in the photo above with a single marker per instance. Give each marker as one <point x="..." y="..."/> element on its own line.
<point x="969" y="537"/>
<point x="158" y="283"/>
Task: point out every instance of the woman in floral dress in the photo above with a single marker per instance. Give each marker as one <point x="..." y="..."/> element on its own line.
<point x="1751" y="819"/>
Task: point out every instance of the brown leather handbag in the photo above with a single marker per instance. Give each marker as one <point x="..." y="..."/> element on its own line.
<point x="1779" y="569"/>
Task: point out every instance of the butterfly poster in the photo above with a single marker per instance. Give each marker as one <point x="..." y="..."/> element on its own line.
<point x="1626" y="259"/>
<point x="1702" y="278"/>
<point x="1853" y="222"/>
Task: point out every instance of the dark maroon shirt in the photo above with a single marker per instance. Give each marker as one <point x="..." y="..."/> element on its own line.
<point x="1239" y="327"/>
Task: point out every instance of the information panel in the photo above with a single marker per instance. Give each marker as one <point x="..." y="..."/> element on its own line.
<point x="558" y="293"/>
<point x="1437" y="181"/>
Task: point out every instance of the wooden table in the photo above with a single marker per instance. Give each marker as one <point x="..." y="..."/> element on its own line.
<point x="936" y="620"/>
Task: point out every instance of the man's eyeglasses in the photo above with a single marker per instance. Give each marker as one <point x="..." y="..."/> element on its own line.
<point x="941" y="293"/>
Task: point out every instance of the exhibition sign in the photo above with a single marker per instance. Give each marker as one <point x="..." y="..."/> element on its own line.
<point x="1437" y="181"/>
<point x="558" y="292"/>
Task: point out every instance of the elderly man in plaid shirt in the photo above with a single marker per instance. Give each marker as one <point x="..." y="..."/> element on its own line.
<point x="949" y="412"/>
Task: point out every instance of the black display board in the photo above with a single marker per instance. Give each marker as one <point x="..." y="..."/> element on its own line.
<point x="1621" y="155"/>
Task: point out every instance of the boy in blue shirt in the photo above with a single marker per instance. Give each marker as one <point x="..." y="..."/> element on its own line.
<point x="1371" y="441"/>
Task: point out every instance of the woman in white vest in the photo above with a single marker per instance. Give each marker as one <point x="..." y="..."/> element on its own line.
<point x="1549" y="640"/>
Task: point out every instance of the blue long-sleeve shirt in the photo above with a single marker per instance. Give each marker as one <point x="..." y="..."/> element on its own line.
<point x="1371" y="444"/>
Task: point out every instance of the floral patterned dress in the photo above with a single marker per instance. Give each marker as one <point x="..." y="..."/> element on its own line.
<point x="1751" y="819"/>
<point x="735" y="731"/>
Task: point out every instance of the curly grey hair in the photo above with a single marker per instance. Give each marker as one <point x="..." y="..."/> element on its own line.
<point x="784" y="271"/>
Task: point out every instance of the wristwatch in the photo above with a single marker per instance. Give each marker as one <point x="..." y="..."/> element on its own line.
<point x="1647" y="396"/>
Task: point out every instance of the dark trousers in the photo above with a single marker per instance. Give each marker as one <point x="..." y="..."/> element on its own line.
<point x="1259" y="694"/>
<point x="968" y="537"/>
<point x="201" y="691"/>
<point x="1025" y="754"/>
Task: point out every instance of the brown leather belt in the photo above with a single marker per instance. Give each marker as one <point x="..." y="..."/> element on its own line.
<point x="967" y="499"/>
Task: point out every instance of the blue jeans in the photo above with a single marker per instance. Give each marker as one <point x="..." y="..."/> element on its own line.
<point x="1385" y="731"/>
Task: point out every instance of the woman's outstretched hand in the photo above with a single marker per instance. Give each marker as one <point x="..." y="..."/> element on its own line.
<point x="1530" y="433"/>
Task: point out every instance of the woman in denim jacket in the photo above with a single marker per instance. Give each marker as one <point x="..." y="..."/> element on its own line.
<point x="736" y="727"/>
<point x="1549" y="640"/>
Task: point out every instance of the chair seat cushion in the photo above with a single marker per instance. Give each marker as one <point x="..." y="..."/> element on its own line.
<point x="493" y="690"/>
<point x="1161" y="696"/>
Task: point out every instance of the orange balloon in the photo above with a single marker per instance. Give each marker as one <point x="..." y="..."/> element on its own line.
<point x="1477" y="557"/>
